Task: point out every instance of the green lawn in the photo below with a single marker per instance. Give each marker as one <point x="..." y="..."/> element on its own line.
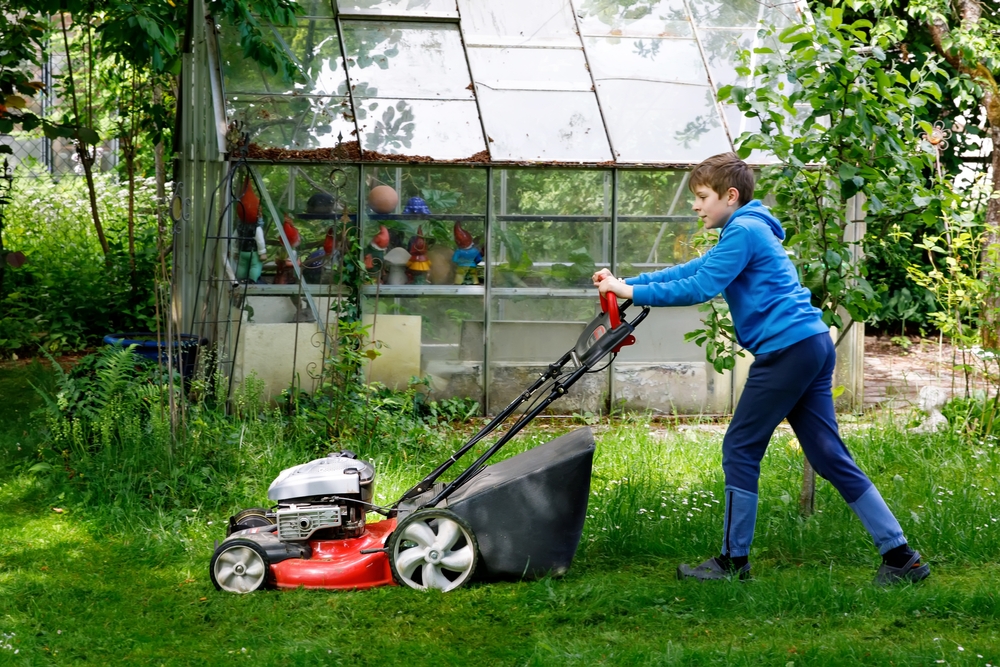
<point x="80" y="587"/>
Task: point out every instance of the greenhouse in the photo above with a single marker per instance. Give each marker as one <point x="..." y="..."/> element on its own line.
<point x="486" y="157"/>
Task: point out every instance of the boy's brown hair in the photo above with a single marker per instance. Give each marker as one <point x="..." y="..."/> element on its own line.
<point x="723" y="171"/>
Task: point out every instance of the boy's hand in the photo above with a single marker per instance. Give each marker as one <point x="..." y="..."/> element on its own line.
<point x="615" y="286"/>
<point x="601" y="275"/>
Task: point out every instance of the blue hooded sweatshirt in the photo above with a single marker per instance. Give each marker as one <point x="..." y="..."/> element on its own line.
<point x="749" y="266"/>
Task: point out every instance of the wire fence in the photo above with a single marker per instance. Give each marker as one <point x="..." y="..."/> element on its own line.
<point x="33" y="154"/>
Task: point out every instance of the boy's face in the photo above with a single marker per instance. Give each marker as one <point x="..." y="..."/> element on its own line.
<point x="714" y="210"/>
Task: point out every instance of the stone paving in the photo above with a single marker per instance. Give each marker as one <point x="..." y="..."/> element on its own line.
<point x="894" y="374"/>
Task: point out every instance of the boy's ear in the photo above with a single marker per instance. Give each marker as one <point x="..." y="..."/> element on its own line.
<point x="732" y="196"/>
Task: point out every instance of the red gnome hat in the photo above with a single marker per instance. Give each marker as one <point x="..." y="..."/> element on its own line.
<point x="419" y="244"/>
<point x="291" y="233"/>
<point x="463" y="239"/>
<point x="381" y="240"/>
<point x="328" y="242"/>
<point x="248" y="208"/>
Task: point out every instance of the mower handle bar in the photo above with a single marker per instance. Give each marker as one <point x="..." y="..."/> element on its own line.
<point x="607" y="344"/>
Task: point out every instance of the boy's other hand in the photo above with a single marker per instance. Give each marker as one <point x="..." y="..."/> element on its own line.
<point x="615" y="286"/>
<point x="601" y="275"/>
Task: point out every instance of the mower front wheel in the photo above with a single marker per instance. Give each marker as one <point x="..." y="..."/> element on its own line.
<point x="433" y="548"/>
<point x="239" y="566"/>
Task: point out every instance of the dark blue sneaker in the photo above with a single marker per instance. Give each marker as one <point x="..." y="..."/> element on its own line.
<point x="912" y="571"/>
<point x="711" y="569"/>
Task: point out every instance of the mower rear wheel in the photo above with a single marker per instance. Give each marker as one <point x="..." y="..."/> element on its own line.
<point x="433" y="548"/>
<point x="239" y="566"/>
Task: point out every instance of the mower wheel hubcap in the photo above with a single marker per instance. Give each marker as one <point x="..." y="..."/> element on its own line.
<point x="433" y="548"/>
<point x="239" y="569"/>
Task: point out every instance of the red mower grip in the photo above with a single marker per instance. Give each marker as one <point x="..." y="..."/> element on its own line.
<point x="609" y="305"/>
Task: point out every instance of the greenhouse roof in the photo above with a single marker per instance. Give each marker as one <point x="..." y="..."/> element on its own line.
<point x="525" y="81"/>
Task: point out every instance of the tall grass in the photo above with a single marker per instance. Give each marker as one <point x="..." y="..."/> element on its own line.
<point x="656" y="492"/>
<point x="660" y="493"/>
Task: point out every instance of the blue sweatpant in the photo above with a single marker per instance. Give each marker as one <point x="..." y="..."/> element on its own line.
<point x="795" y="383"/>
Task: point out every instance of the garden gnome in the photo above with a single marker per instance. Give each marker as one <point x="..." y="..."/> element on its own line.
<point x="376" y="253"/>
<point x="284" y="274"/>
<point x="323" y="256"/>
<point x="466" y="258"/>
<point x="419" y="264"/>
<point x="292" y="234"/>
<point x="250" y="235"/>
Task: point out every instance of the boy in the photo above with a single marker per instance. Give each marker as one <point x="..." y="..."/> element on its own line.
<point x="791" y="374"/>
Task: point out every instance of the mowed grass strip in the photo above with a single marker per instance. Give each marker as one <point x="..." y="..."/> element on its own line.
<point x="69" y="594"/>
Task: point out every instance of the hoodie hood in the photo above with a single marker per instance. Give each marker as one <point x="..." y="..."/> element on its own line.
<point x="755" y="209"/>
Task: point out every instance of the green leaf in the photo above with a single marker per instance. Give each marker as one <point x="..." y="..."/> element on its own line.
<point x="847" y="171"/>
<point x="836" y="16"/>
<point x="88" y="136"/>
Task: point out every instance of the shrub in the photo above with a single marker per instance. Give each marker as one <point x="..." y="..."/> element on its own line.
<point x="68" y="295"/>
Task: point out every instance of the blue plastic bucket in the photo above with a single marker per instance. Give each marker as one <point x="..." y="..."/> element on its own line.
<point x="147" y="347"/>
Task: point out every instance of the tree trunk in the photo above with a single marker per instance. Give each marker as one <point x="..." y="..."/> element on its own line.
<point x="991" y="250"/>
<point x="86" y="160"/>
<point x="88" y="169"/>
<point x="160" y="166"/>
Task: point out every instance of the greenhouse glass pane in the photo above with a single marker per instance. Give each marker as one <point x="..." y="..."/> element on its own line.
<point x="780" y="15"/>
<point x="313" y="45"/>
<point x="445" y="344"/>
<point x="292" y="191"/>
<point x="550" y="228"/>
<point x="444" y="130"/>
<point x="542" y="126"/>
<point x="738" y="124"/>
<point x="655" y="221"/>
<point x="533" y="69"/>
<point x="660" y="340"/>
<point x="292" y="122"/>
<point x="397" y="60"/>
<point x="722" y="49"/>
<point x="415" y="8"/>
<point x="526" y="334"/>
<point x="315" y="8"/>
<point x="675" y="60"/>
<point x="613" y="18"/>
<point x="726" y="13"/>
<point x="519" y="22"/>
<point x="662" y="122"/>
<point x="314" y="202"/>
<point x="457" y="195"/>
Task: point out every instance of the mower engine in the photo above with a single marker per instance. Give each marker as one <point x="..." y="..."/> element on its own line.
<point x="325" y="499"/>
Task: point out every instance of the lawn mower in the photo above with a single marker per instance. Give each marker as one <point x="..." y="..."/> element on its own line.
<point x="522" y="517"/>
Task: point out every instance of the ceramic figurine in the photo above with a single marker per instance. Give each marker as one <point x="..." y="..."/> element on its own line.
<point x="419" y="264"/>
<point x="466" y="258"/>
<point x="376" y="253"/>
<point x="383" y="199"/>
<point x="322" y="257"/>
<point x="416" y="205"/>
<point x="397" y="259"/>
<point x="292" y="234"/>
<point x="250" y="235"/>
